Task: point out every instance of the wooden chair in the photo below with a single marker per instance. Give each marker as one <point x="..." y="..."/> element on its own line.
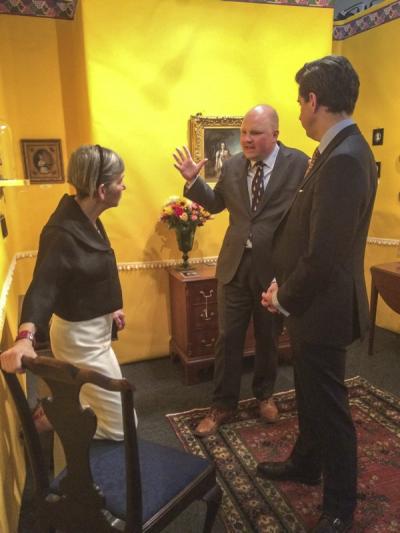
<point x="107" y="486"/>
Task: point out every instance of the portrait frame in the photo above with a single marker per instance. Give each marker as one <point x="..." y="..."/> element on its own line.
<point x="42" y="160"/>
<point x="378" y="169"/>
<point x="215" y="138"/>
<point x="377" y="136"/>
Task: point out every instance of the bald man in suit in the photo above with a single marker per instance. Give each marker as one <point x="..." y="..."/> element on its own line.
<point x="318" y="255"/>
<point x="256" y="187"/>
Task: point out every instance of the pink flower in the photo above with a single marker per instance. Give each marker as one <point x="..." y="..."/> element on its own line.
<point x="177" y="210"/>
<point x="180" y="211"/>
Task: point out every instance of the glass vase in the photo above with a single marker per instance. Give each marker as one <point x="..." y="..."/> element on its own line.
<point x="185" y="237"/>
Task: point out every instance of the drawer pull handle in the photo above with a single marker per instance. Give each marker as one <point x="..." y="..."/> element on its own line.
<point x="205" y="316"/>
<point x="207" y="345"/>
<point x="206" y="296"/>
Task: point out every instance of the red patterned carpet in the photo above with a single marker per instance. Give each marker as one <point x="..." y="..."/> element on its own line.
<point x="251" y="504"/>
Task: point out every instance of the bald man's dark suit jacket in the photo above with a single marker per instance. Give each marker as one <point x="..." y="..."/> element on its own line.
<point x="319" y="247"/>
<point x="231" y="193"/>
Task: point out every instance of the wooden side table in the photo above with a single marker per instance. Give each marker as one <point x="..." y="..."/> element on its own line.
<point x="194" y="321"/>
<point x="386" y="282"/>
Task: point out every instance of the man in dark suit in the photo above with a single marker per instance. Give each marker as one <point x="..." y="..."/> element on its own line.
<point x="256" y="187"/>
<point x="318" y="253"/>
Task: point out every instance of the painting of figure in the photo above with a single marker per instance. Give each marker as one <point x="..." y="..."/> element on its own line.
<point x="219" y="145"/>
<point x="42" y="160"/>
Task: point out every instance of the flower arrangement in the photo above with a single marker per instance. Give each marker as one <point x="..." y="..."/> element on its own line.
<point x="179" y="211"/>
<point x="184" y="216"/>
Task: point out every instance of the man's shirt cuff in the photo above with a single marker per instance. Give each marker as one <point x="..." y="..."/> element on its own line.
<point x="276" y="304"/>
<point x="189" y="184"/>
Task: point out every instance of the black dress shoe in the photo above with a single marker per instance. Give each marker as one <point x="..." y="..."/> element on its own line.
<point x="287" y="471"/>
<point x="330" y="524"/>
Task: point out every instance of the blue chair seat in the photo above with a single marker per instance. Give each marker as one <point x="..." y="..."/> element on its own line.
<point x="165" y="472"/>
<point x="160" y="481"/>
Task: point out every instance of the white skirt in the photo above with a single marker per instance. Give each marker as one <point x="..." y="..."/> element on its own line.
<point x="87" y="344"/>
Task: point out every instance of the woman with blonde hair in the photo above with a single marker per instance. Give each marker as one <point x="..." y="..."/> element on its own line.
<point x="75" y="285"/>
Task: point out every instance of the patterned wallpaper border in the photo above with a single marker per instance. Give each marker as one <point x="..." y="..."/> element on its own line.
<point x="304" y="3"/>
<point x="342" y="29"/>
<point x="122" y="267"/>
<point x="361" y="23"/>
<point x="65" y="9"/>
<point x="56" y="9"/>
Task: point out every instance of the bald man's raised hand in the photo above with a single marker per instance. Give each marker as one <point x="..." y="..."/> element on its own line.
<point x="185" y="164"/>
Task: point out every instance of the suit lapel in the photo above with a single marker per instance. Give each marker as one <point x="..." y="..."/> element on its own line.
<point x="350" y="130"/>
<point x="241" y="177"/>
<point x="346" y="132"/>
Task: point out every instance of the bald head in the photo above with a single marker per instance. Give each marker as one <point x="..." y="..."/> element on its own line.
<point x="259" y="132"/>
<point x="264" y="113"/>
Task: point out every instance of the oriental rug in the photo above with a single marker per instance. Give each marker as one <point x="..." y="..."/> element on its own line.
<point x="251" y="504"/>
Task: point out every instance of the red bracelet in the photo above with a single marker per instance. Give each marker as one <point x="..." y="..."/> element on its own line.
<point x="26" y="334"/>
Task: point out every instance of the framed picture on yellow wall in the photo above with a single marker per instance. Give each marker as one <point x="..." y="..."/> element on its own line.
<point x="214" y="138"/>
<point x="42" y="160"/>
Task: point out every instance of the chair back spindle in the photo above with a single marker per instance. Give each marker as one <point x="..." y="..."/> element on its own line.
<point x="102" y="487"/>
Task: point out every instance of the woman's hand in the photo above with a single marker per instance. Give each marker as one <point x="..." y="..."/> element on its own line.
<point x="10" y="360"/>
<point x="119" y="319"/>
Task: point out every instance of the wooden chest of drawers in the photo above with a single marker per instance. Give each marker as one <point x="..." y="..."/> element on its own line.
<point x="194" y="321"/>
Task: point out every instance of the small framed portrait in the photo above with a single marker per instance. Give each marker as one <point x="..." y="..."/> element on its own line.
<point x="377" y="136"/>
<point x="42" y="160"/>
<point x="214" y="138"/>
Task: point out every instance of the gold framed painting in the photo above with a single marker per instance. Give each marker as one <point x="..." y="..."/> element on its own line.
<point x="214" y="138"/>
<point x="42" y="160"/>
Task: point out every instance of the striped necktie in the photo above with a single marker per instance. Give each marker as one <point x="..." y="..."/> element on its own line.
<point x="257" y="186"/>
<point x="312" y="161"/>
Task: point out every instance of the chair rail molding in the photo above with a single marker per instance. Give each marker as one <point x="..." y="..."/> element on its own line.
<point x="383" y="242"/>
<point x="122" y="267"/>
<point x="134" y="265"/>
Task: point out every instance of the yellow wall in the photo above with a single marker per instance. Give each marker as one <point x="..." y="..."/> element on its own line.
<point x="5" y="244"/>
<point x="75" y="102"/>
<point x="134" y="89"/>
<point x="172" y="59"/>
<point x="132" y="85"/>
<point x="12" y="472"/>
<point x="162" y="62"/>
<point x="372" y="55"/>
<point x="30" y="101"/>
<point x="33" y="99"/>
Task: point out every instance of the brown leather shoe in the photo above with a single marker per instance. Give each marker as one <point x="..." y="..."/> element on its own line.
<point x="211" y="422"/>
<point x="268" y="410"/>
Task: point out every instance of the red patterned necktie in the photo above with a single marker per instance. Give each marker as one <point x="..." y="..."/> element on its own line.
<point x="312" y="161"/>
<point x="257" y="186"/>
